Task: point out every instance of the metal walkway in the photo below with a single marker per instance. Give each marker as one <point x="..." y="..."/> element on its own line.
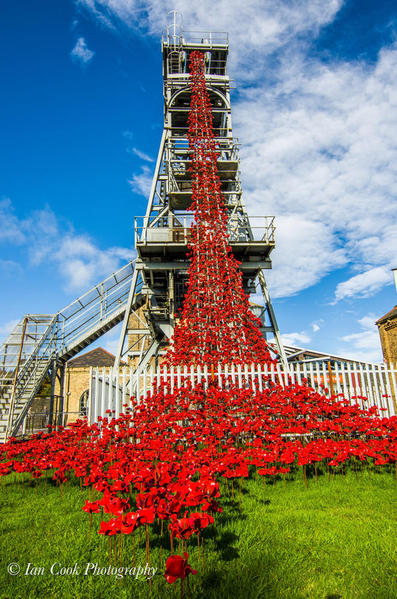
<point x="40" y="340"/>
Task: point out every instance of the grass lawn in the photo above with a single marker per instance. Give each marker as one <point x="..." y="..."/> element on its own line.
<point x="334" y="539"/>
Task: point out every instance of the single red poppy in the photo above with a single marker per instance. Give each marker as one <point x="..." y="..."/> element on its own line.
<point x="177" y="567"/>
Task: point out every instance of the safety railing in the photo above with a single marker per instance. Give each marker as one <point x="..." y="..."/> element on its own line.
<point x="209" y="38"/>
<point x="178" y="65"/>
<point x="178" y="157"/>
<point x="50" y="336"/>
<point x="20" y="344"/>
<point x="228" y="187"/>
<point x="227" y="148"/>
<point x="177" y="229"/>
<point x="92" y="309"/>
<point x="181" y="131"/>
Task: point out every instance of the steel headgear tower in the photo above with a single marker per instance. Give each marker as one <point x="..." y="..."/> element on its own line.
<point x="162" y="236"/>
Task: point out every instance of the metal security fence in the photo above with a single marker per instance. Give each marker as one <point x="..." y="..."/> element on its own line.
<point x="364" y="384"/>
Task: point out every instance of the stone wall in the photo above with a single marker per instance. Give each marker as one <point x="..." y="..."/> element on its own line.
<point x="77" y="381"/>
<point x="388" y="339"/>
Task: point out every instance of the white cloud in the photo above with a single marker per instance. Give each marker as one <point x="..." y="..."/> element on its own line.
<point x="364" y="345"/>
<point x="142" y="155"/>
<point x="257" y="27"/>
<point x="305" y="251"/>
<point x="364" y="284"/>
<point x="318" y="146"/>
<point x="82" y="263"/>
<point x="81" y="52"/>
<point x="296" y="338"/>
<point x="9" y="267"/>
<point x="141" y="183"/>
<point x="78" y="259"/>
<point x="10" y="227"/>
<point x="5" y="329"/>
<point x="318" y="138"/>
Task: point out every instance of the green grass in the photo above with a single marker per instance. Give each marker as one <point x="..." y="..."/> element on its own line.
<point x="334" y="539"/>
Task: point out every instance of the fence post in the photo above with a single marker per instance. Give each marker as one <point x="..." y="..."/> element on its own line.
<point x="260" y="381"/>
<point x="90" y="416"/>
<point x="337" y="378"/>
<point x="97" y="405"/>
<point x="393" y="370"/>
<point x="381" y="395"/>
<point x="116" y="403"/>
<point x="144" y="372"/>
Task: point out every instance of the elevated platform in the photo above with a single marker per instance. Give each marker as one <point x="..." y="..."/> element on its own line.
<point x="176" y="47"/>
<point x="166" y="240"/>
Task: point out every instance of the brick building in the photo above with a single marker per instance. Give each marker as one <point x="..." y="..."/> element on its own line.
<point x="387" y="326"/>
<point x="77" y="380"/>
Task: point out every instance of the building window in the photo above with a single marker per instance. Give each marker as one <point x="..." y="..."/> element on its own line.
<point x="83" y="403"/>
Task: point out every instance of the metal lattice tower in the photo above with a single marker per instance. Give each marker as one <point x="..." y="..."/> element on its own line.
<point x="147" y="293"/>
<point x="162" y="235"/>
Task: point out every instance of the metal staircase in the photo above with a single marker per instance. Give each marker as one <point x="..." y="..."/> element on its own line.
<point x="41" y="342"/>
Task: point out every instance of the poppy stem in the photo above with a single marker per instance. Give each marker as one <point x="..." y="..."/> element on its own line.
<point x="304" y="475"/>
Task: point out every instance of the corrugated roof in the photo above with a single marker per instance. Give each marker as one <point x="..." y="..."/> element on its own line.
<point x="391" y="314"/>
<point x="95" y="357"/>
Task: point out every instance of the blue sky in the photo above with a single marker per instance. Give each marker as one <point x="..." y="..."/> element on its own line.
<point x="315" y="108"/>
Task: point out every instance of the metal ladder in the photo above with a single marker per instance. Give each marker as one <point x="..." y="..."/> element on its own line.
<point x="39" y="340"/>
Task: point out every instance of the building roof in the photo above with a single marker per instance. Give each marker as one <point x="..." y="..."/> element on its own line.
<point x="301" y="354"/>
<point x="95" y="357"/>
<point x="388" y="316"/>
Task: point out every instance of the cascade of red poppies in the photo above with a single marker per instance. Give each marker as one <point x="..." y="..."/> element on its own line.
<point x="216" y="325"/>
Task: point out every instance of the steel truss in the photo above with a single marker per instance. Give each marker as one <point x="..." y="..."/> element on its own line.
<point x="162" y="235"/>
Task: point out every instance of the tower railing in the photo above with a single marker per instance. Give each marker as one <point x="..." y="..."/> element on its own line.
<point x="207" y="38"/>
<point x="176" y="228"/>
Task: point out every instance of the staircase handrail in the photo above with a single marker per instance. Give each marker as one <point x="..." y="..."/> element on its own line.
<point x="107" y="297"/>
<point x="53" y="340"/>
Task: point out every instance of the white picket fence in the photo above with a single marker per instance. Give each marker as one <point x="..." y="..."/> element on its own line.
<point x="112" y="390"/>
